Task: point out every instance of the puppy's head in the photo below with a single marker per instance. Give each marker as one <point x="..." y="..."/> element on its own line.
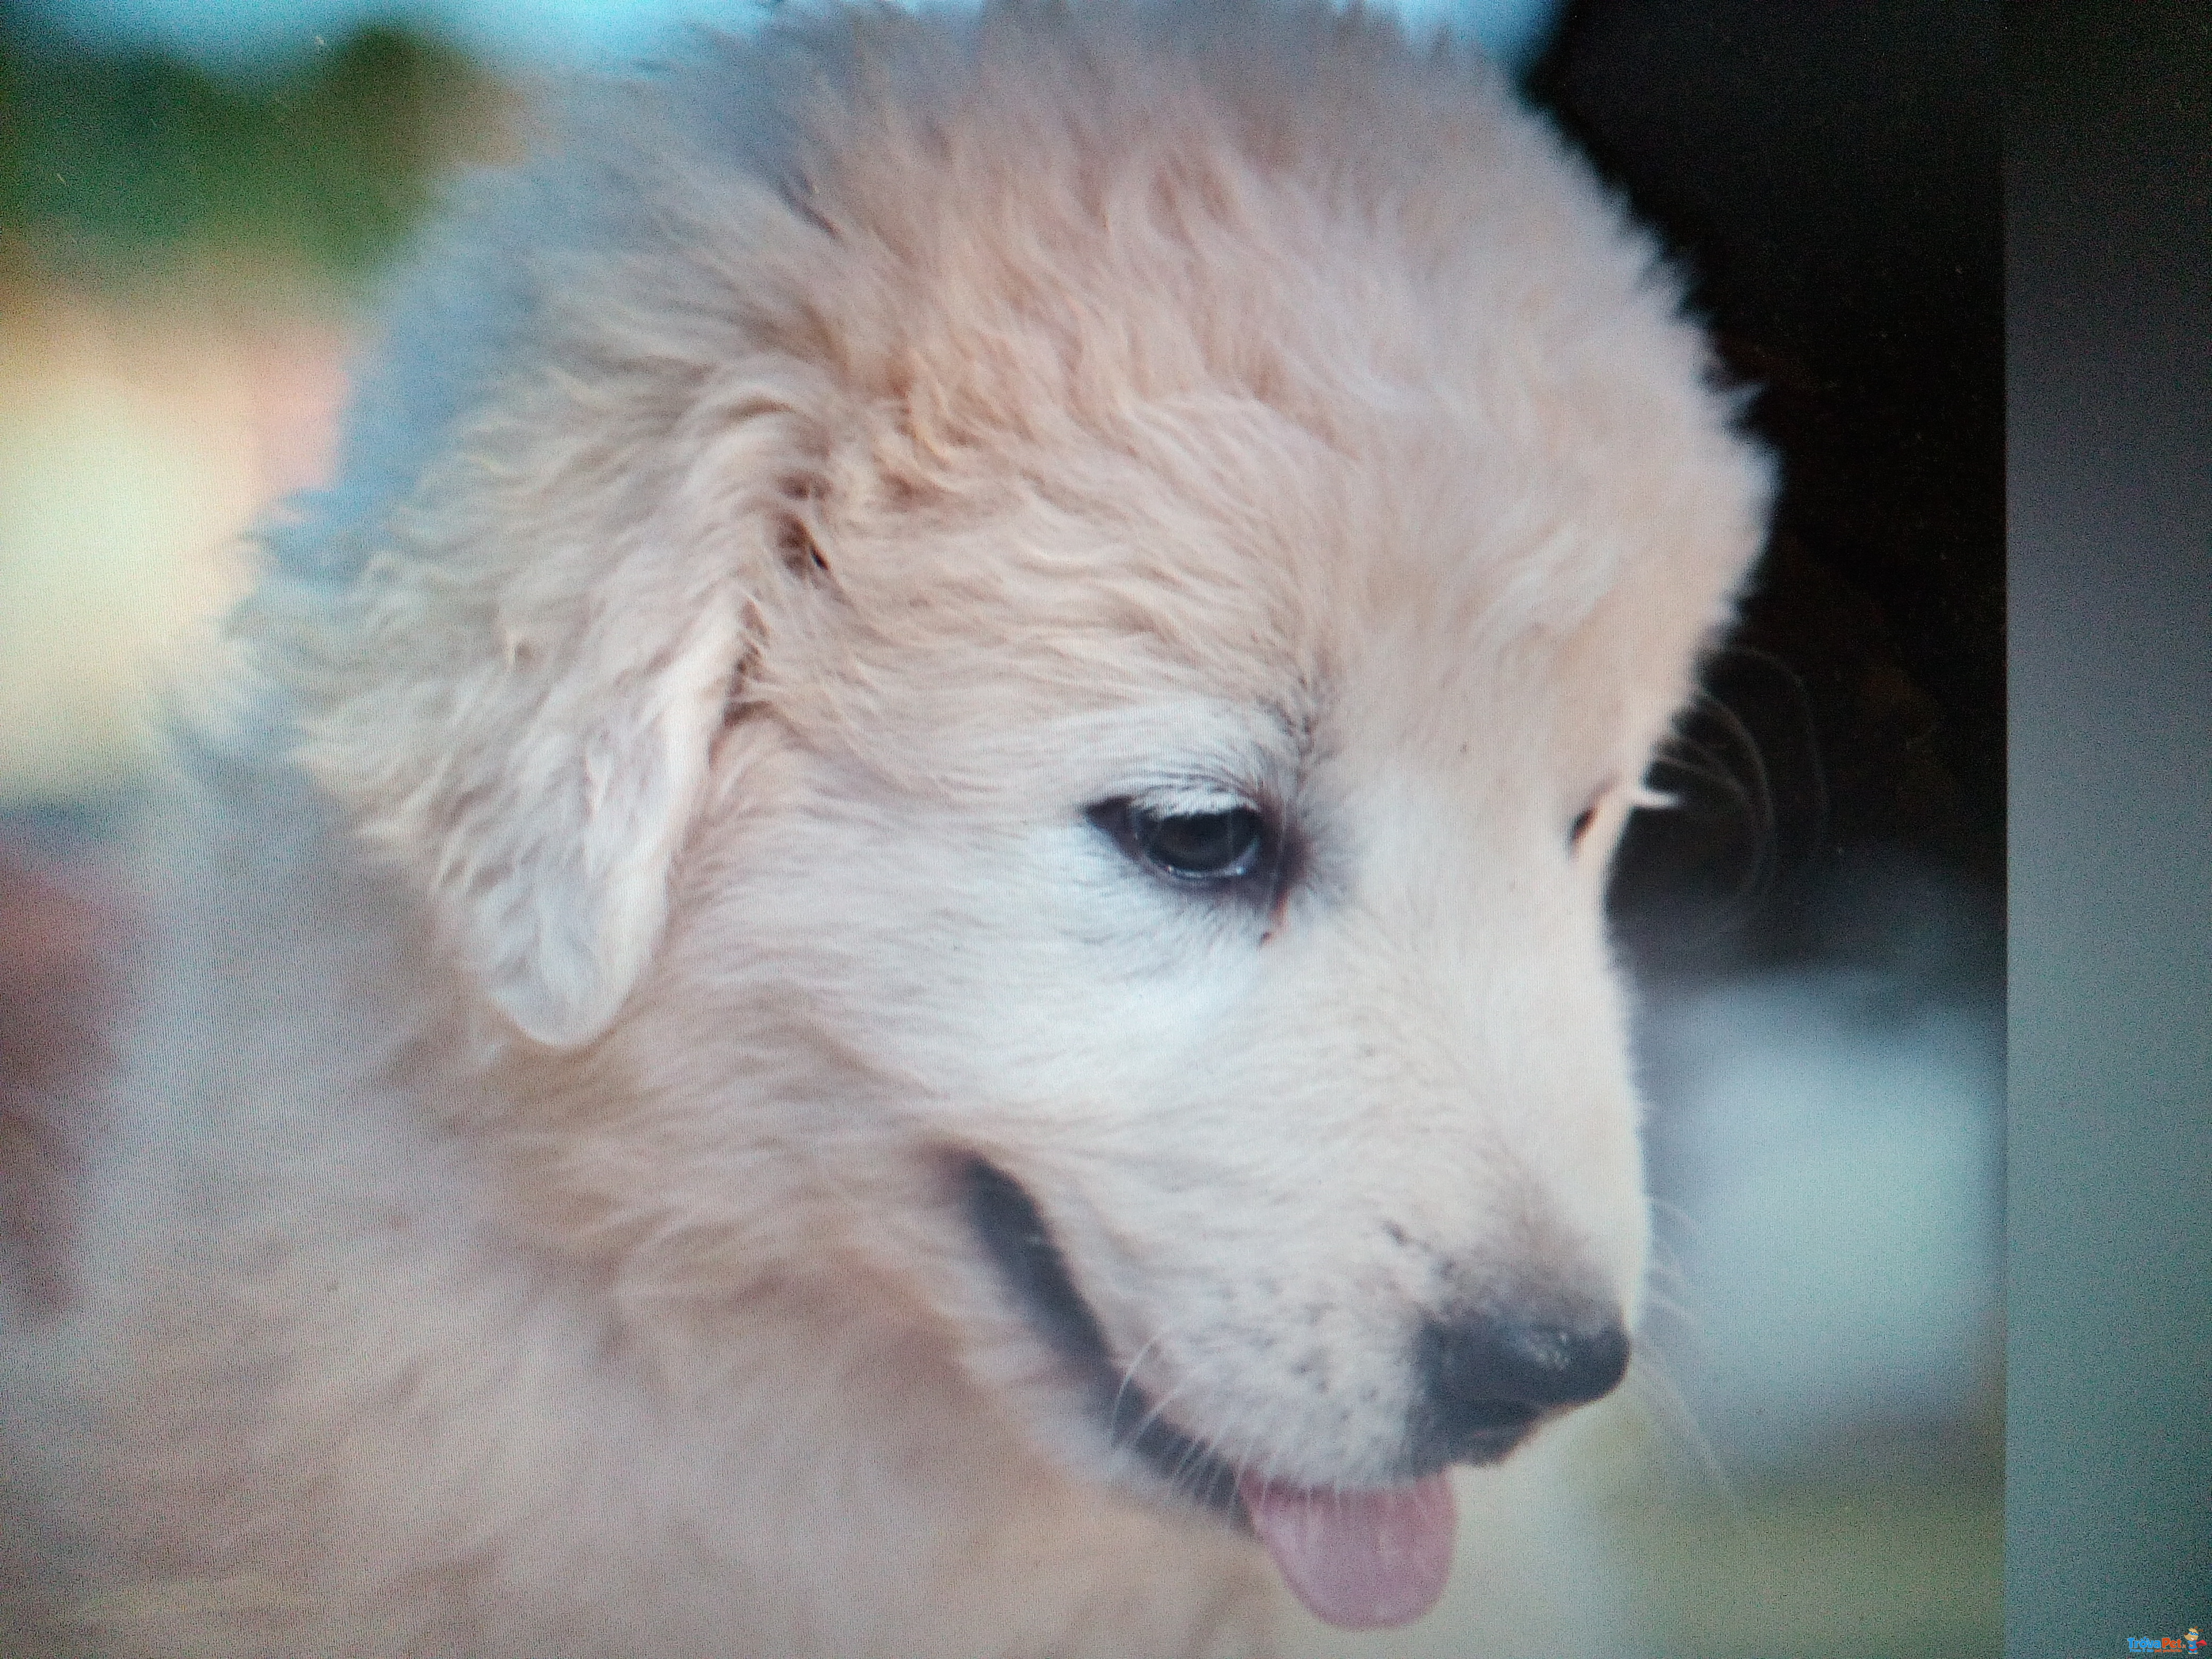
<point x="1043" y="671"/>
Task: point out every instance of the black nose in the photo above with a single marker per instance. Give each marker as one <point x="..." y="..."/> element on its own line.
<point x="1486" y="1378"/>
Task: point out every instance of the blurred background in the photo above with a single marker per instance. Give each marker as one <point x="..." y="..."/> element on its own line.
<point x="196" y="201"/>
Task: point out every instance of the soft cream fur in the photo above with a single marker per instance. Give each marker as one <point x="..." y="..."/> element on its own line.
<point x="655" y="846"/>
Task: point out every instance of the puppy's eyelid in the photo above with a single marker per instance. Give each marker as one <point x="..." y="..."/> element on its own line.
<point x="1191" y="800"/>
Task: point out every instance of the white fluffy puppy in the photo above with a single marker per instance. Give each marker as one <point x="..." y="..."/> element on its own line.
<point x="904" y="956"/>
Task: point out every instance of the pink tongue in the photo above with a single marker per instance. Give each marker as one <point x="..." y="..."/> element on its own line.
<point x="1359" y="1559"/>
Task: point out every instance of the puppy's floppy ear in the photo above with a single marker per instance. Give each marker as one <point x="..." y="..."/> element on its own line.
<point x="516" y="699"/>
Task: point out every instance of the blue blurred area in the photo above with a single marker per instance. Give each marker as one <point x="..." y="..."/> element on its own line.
<point x="239" y="34"/>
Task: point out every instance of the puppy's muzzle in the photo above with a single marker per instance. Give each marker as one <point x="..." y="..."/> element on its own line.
<point x="1005" y="1218"/>
<point x="1482" y="1379"/>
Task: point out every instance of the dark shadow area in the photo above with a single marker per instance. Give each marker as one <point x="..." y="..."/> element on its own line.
<point x="1830" y="178"/>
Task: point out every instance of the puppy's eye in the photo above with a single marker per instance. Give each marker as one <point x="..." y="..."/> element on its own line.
<point x="1196" y="847"/>
<point x="1580" y="827"/>
<point x="1202" y="845"/>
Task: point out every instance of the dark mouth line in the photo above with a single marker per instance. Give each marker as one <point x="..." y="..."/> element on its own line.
<point x="1006" y="1220"/>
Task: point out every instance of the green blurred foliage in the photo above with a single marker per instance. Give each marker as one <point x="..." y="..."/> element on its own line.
<point x="125" y="162"/>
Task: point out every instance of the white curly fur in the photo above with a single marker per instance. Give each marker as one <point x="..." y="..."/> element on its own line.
<point x="657" y="850"/>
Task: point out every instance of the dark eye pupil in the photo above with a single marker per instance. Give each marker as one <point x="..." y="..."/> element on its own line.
<point x="1582" y="824"/>
<point x="1208" y="844"/>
